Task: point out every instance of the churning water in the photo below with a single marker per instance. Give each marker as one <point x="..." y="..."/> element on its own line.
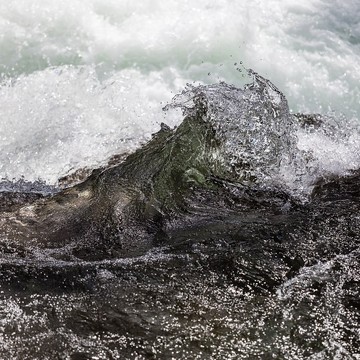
<point x="234" y="236"/>
<point x="83" y="80"/>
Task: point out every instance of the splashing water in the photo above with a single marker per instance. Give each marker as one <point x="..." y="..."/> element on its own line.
<point x="258" y="133"/>
<point x="83" y="80"/>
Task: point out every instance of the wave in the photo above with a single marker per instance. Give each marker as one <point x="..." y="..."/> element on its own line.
<point x="236" y="152"/>
<point x="197" y="229"/>
<point x="83" y="75"/>
<point x="233" y="232"/>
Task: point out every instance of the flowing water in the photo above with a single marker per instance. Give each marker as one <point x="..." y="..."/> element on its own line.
<point x="83" y="80"/>
<point x="258" y="258"/>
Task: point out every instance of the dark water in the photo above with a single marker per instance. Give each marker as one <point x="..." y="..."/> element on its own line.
<point x="194" y="247"/>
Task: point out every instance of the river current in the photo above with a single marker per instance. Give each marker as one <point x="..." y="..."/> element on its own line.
<point x="159" y="200"/>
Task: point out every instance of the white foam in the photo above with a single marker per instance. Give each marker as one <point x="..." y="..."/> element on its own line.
<point x="53" y="120"/>
<point x="310" y="49"/>
<point x="60" y="119"/>
<point x="332" y="156"/>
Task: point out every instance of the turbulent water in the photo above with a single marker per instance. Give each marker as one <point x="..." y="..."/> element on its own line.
<point x="233" y="234"/>
<point x="83" y="80"/>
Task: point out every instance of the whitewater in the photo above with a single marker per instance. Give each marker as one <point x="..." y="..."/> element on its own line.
<point x="84" y="80"/>
<point x="180" y="179"/>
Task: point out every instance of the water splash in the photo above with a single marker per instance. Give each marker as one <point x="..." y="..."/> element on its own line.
<point x="261" y="141"/>
<point x="253" y="128"/>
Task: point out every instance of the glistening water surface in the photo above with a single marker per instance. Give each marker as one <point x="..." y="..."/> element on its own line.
<point x="234" y="235"/>
<point x="207" y="253"/>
